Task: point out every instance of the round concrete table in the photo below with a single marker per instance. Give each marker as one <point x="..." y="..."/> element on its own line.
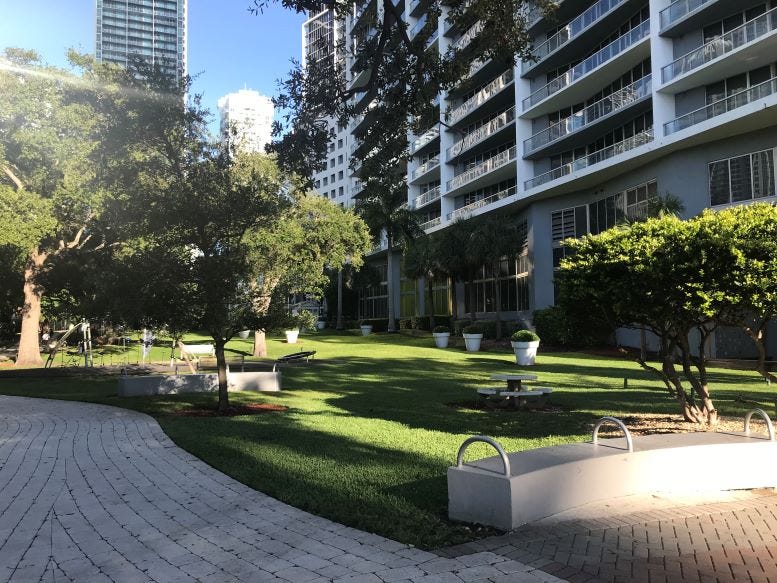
<point x="513" y="380"/>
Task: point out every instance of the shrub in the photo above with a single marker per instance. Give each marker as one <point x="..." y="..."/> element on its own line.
<point x="472" y="329"/>
<point x="524" y="336"/>
<point x="405" y="323"/>
<point x="559" y="327"/>
<point x="378" y="324"/>
<point x="441" y="329"/>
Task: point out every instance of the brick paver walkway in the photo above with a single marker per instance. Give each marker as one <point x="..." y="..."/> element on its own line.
<point x="95" y="493"/>
<point x="720" y="542"/>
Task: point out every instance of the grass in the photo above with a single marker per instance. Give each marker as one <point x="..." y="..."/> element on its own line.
<point x="370" y="429"/>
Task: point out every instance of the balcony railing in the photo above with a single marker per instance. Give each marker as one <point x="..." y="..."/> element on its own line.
<point x="575" y="27"/>
<point x="425" y="138"/>
<point x="417" y="27"/>
<point x="483" y="168"/>
<point x="466" y="211"/>
<point x="466" y="38"/>
<point x="475" y="66"/>
<point x="722" y="106"/>
<point x="483" y="132"/>
<point x="429" y="196"/>
<point x="677" y="10"/>
<point x="591" y="159"/>
<point x="494" y="87"/>
<point x="427" y="166"/>
<point x="613" y="102"/>
<point x="429" y="224"/>
<point x="732" y="40"/>
<point x="609" y="52"/>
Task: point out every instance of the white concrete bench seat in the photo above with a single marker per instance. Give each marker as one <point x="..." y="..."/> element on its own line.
<point x="533" y="392"/>
<point x="509" y="490"/>
<point x="197" y="349"/>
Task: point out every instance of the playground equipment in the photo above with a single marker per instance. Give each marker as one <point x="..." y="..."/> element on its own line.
<point x="59" y="346"/>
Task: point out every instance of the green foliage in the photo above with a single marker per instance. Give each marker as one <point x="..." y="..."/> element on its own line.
<point x="378" y="324"/>
<point x="560" y="326"/>
<point x="306" y="319"/>
<point x="524" y="336"/>
<point x="472" y="329"/>
<point x="441" y="330"/>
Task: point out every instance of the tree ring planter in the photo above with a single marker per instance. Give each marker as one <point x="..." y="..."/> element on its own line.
<point x="244" y="334"/>
<point x="291" y="336"/>
<point x="525" y="352"/>
<point x="260" y="381"/>
<point x="472" y="342"/>
<point x="366" y="329"/>
<point x="441" y="339"/>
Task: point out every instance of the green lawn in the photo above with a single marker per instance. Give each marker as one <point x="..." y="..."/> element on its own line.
<point x="370" y="429"/>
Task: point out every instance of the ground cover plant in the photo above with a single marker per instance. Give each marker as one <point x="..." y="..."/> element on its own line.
<point x="374" y="422"/>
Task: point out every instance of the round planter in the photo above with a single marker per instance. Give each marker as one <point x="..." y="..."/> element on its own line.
<point x="441" y="339"/>
<point x="525" y="352"/>
<point x="243" y="334"/>
<point x="291" y="336"/>
<point x="320" y="325"/>
<point x="472" y="342"/>
<point x="366" y="329"/>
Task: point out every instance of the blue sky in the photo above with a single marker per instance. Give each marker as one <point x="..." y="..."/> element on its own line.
<point x="228" y="47"/>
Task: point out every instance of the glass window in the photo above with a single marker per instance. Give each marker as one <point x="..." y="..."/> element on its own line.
<point x="719" y="183"/>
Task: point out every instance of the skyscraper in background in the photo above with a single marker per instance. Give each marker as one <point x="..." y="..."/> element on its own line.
<point x="246" y="120"/>
<point x="154" y="30"/>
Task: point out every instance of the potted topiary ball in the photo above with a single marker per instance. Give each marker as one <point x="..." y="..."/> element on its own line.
<point x="441" y="336"/>
<point x="525" y="344"/>
<point x="473" y="335"/>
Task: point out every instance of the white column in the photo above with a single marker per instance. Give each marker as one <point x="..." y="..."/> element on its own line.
<point x="661" y="54"/>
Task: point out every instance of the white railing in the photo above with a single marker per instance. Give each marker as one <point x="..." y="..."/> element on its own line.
<point x="466" y="211"/>
<point x="425" y="138"/>
<point x="433" y="37"/>
<point x="466" y="38"/>
<point x="605" y="106"/>
<point x="575" y="27"/>
<point x="748" y="32"/>
<point x="429" y="196"/>
<point x="429" y="224"/>
<point x="591" y="159"/>
<point x="493" y="88"/>
<point x="609" y="52"/>
<point x="677" y="10"/>
<point x="417" y="26"/>
<point x="484" y="167"/>
<point x="475" y="66"/>
<point x="722" y="106"/>
<point x="427" y="166"/>
<point x="486" y="130"/>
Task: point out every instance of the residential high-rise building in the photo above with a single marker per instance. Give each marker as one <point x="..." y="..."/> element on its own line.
<point x="321" y="34"/>
<point x="246" y="120"/>
<point x="626" y="100"/>
<point x="154" y="30"/>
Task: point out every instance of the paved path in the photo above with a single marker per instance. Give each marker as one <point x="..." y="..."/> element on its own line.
<point x="95" y="493"/>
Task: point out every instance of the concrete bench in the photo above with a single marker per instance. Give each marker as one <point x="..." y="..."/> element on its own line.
<point x="197" y="349"/>
<point x="233" y="363"/>
<point x="529" y="398"/>
<point x="507" y="491"/>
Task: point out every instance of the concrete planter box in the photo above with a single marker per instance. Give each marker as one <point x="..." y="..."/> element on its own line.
<point x="441" y="339"/>
<point x="366" y="329"/>
<point x="244" y="334"/>
<point x="472" y="342"/>
<point x="525" y="352"/>
<point x="291" y="336"/>
<point x="135" y="386"/>
<point x="320" y="325"/>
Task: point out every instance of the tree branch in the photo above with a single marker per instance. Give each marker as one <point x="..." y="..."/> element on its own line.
<point x="15" y="179"/>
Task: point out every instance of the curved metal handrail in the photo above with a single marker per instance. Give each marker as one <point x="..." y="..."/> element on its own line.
<point x="761" y="413"/>
<point x="619" y="423"/>
<point x="469" y="441"/>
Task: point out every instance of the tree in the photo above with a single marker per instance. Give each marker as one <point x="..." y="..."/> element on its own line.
<point x="453" y="260"/>
<point x="421" y="262"/>
<point x="49" y="197"/>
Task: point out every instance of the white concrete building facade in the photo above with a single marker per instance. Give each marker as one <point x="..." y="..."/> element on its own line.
<point x="246" y="120"/>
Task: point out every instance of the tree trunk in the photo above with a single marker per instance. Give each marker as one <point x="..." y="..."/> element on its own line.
<point x="473" y="296"/>
<point x="688" y="408"/>
<point x="700" y="387"/>
<point x="430" y="283"/>
<point x="339" y="324"/>
<point x="390" y="291"/>
<point x="260" y="344"/>
<point x="221" y="363"/>
<point x="757" y="336"/>
<point x="29" y="346"/>
<point x="498" y="300"/>
<point x="454" y="301"/>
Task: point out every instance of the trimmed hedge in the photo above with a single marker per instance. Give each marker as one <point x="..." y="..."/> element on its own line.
<point x="423" y="322"/>
<point x="557" y="327"/>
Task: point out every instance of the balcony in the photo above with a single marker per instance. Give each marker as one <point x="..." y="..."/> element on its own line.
<point x="733" y="40"/>
<point x="493" y="88"/>
<point x="482" y="133"/>
<point x="678" y="10"/>
<point x="427" y="197"/>
<point x="429" y="224"/>
<point x="417" y="27"/>
<point x="717" y="108"/>
<point x="465" y="39"/>
<point x="466" y="211"/>
<point x="424" y="139"/>
<point x="605" y="107"/>
<point x="485" y="167"/>
<point x="591" y="159"/>
<point x="608" y="53"/>
<point x="426" y="167"/>
<point x="573" y="29"/>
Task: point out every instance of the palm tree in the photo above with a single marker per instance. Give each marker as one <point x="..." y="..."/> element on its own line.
<point x="421" y="260"/>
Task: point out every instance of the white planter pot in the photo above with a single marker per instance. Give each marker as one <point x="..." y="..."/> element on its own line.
<point x="366" y="329"/>
<point x="525" y="352"/>
<point x="320" y="325"/>
<point x="243" y="334"/>
<point x="291" y="336"/>
<point x="472" y="342"/>
<point x="441" y="339"/>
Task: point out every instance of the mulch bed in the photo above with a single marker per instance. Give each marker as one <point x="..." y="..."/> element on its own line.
<point x="247" y="409"/>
